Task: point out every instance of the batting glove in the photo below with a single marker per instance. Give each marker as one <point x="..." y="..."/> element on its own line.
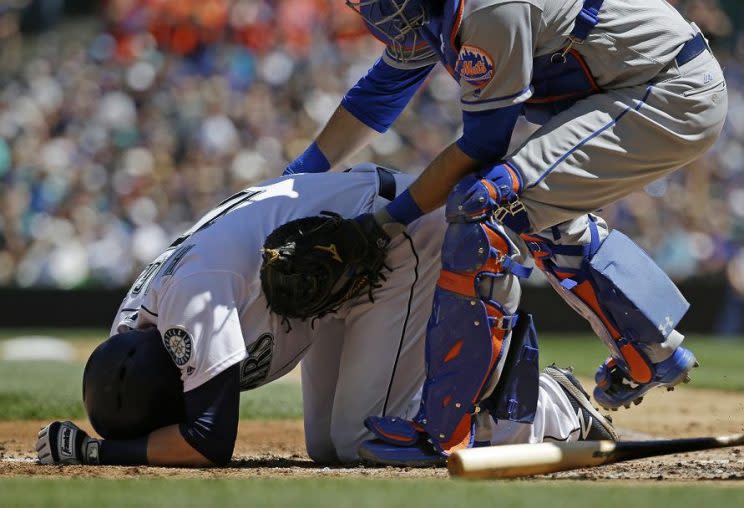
<point x="66" y="443"/>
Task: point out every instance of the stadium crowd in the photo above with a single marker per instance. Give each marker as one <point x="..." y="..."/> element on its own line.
<point x="115" y="135"/>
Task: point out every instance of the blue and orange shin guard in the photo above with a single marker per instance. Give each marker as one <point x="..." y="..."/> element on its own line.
<point x="469" y="331"/>
<point x="631" y="304"/>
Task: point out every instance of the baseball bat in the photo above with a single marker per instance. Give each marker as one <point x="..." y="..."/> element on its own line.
<point x="512" y="461"/>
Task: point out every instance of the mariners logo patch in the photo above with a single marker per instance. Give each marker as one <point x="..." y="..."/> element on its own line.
<point x="474" y="66"/>
<point x="177" y="342"/>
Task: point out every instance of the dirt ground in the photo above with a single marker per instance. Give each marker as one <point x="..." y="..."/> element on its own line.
<point x="276" y="448"/>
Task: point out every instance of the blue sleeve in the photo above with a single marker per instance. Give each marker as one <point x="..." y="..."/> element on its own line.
<point x="486" y="134"/>
<point x="211" y="424"/>
<point x="380" y="96"/>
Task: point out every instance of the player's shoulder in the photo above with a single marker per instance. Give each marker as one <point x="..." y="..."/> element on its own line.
<point x="199" y="297"/>
<point x="477" y="5"/>
<point x="499" y="11"/>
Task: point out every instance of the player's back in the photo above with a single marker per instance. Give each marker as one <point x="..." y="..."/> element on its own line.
<point x="234" y="239"/>
<point x="229" y="237"/>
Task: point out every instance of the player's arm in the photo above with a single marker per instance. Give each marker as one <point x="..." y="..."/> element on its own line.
<point x="205" y="437"/>
<point x="369" y="108"/>
<point x="485" y="140"/>
<point x="202" y="309"/>
<point x="495" y="68"/>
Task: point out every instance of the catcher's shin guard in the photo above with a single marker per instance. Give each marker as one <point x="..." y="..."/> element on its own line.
<point x="630" y="302"/>
<point x="469" y="332"/>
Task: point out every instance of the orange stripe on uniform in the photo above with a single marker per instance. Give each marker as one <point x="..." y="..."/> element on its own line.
<point x="514" y="176"/>
<point x="460" y="438"/>
<point x="638" y="368"/>
<point x="394" y="437"/>
<point x="491" y="190"/>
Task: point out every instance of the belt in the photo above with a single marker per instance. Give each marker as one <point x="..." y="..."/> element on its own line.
<point x="387" y="183"/>
<point x="691" y="50"/>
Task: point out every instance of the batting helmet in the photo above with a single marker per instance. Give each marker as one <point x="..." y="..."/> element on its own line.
<point x="131" y="386"/>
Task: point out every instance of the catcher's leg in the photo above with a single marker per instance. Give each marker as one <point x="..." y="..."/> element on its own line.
<point x="631" y="304"/>
<point x="470" y="333"/>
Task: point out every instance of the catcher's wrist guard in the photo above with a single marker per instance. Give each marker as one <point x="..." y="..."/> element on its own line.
<point x="311" y="266"/>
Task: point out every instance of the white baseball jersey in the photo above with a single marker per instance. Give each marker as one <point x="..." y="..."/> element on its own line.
<point x="204" y="296"/>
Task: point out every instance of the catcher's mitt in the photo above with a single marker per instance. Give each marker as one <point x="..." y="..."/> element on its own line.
<point x="313" y="265"/>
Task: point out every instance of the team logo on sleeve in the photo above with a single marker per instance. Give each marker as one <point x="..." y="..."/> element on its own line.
<point x="177" y="342"/>
<point x="474" y="66"/>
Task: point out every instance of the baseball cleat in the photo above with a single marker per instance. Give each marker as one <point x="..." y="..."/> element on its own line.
<point x="379" y="453"/>
<point x="615" y="390"/>
<point x="592" y="425"/>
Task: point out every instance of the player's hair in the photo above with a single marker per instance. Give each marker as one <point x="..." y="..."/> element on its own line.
<point x="311" y="266"/>
<point x="435" y="7"/>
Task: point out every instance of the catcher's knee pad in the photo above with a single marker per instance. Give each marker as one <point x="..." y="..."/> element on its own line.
<point x="468" y="332"/>
<point x="618" y="288"/>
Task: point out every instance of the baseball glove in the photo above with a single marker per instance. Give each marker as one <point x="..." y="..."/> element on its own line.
<point x="311" y="266"/>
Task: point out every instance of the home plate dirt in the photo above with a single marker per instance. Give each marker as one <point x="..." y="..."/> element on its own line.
<point x="276" y="448"/>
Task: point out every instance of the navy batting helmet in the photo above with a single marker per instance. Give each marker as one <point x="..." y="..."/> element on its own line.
<point x="131" y="386"/>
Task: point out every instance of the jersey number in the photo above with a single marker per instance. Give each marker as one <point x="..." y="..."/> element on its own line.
<point x="148" y="274"/>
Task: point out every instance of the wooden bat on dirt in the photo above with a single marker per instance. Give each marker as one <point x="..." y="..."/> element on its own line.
<point x="512" y="461"/>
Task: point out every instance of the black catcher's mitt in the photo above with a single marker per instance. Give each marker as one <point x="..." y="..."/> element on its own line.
<point x="313" y="265"/>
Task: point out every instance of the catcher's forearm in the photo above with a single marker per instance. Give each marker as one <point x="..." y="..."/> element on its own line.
<point x="431" y="188"/>
<point x="343" y="136"/>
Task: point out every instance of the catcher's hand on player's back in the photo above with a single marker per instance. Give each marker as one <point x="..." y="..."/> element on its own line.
<point x="66" y="443"/>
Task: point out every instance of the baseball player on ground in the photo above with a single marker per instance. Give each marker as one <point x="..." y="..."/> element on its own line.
<point x="625" y="91"/>
<point x="194" y="330"/>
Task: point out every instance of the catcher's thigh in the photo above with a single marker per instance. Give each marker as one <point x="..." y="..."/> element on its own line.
<point x="610" y="144"/>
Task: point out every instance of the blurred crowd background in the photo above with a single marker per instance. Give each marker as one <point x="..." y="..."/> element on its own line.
<point x="121" y="121"/>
